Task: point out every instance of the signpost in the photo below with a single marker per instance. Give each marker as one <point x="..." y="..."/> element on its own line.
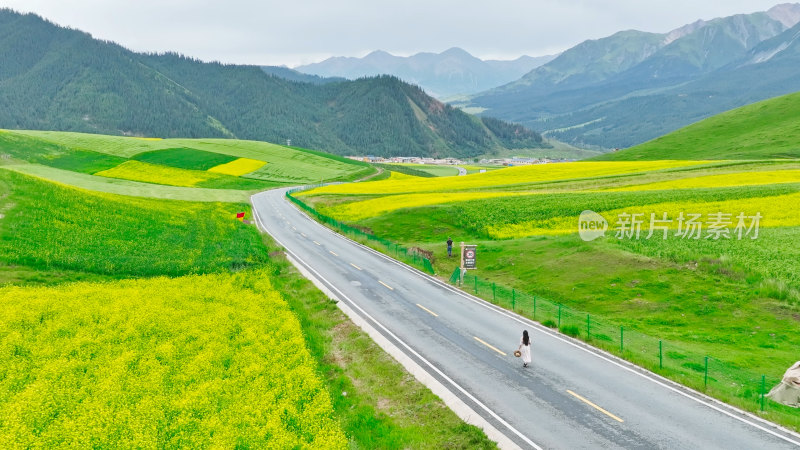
<point x="468" y="253"/>
<point x="468" y="256"/>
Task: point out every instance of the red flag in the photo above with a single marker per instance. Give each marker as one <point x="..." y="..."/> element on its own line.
<point x="240" y="216"/>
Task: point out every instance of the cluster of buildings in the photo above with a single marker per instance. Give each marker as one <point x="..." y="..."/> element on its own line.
<point x="515" y="161"/>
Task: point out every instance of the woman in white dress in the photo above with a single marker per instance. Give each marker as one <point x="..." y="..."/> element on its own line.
<point x="525" y="349"/>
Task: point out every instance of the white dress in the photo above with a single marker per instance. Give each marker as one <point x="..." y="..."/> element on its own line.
<point x="526" y="351"/>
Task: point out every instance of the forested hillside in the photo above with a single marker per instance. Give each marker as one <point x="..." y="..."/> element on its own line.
<point x="56" y="78"/>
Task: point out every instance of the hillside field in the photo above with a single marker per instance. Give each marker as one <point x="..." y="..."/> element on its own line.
<point x="765" y="130"/>
<point x="142" y="314"/>
<point x="223" y="164"/>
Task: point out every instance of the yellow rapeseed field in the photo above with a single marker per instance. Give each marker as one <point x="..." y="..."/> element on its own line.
<point x="751" y="178"/>
<point x="506" y="177"/>
<point x="238" y="167"/>
<point x="213" y="361"/>
<point x="776" y="211"/>
<point x="158" y="174"/>
<point x="374" y="207"/>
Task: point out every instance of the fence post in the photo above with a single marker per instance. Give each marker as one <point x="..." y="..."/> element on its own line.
<point x="534" y="307"/>
<point x="588" y="333"/>
<point x="621" y="345"/>
<point x="660" y="355"/>
<point x="513" y="299"/>
<point x="476" y="285"/>
<point x="559" y="316"/>
<point x="763" y="390"/>
<point x="705" y="379"/>
<point x="494" y="293"/>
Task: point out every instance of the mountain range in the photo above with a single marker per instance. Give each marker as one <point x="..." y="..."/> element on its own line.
<point x="450" y="73"/>
<point x="634" y="86"/>
<point x="55" y="78"/>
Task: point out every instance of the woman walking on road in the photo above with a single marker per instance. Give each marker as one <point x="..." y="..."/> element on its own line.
<point x="525" y="348"/>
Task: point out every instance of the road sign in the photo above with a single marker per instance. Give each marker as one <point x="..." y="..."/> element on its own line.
<point x="468" y="256"/>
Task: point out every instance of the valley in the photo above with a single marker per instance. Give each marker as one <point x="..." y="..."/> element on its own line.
<point x="221" y="251"/>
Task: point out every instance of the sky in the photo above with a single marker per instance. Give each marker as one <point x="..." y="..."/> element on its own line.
<point x="298" y="32"/>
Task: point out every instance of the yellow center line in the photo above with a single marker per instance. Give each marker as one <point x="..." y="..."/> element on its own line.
<point x="332" y="253"/>
<point x="317" y="243"/>
<point x="595" y="406"/>
<point x="390" y="288"/>
<point x="489" y="345"/>
<point x="428" y="310"/>
<point x="359" y="268"/>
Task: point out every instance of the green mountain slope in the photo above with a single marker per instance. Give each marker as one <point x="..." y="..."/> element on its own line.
<point x="631" y="87"/>
<point x="61" y="79"/>
<point x="764" y="130"/>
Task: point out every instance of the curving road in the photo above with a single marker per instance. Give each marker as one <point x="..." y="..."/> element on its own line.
<point x="572" y="397"/>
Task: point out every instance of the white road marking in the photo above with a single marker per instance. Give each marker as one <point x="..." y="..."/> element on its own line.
<point x="390" y="288"/>
<point x="359" y="268"/>
<point x="333" y="253"/>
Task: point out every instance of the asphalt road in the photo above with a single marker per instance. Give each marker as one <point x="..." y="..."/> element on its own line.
<point x="571" y="397"/>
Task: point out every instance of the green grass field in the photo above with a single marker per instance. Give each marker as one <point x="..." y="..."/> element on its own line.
<point x="127" y="187"/>
<point x="763" y="130"/>
<point x="477" y="169"/>
<point x="53" y="227"/>
<point x="184" y="158"/>
<point x="90" y="154"/>
<point x="433" y="169"/>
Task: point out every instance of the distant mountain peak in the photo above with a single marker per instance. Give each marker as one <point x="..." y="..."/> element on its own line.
<point x="452" y="72"/>
<point x="786" y="13"/>
<point x="456" y="51"/>
<point x="685" y="30"/>
<point x="375" y="53"/>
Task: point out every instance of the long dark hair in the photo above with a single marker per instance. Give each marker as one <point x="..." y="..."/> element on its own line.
<point x="525" y="339"/>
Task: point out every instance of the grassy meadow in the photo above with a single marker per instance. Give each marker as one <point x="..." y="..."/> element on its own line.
<point x="140" y="314"/>
<point x="736" y="300"/>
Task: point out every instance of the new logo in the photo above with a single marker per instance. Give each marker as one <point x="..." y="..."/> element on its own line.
<point x="591" y="225"/>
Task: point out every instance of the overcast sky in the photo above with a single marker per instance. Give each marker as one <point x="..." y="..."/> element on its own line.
<point x="293" y="32"/>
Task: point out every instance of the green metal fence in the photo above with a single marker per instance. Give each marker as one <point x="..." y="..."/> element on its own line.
<point x="399" y="252"/>
<point x="715" y="377"/>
